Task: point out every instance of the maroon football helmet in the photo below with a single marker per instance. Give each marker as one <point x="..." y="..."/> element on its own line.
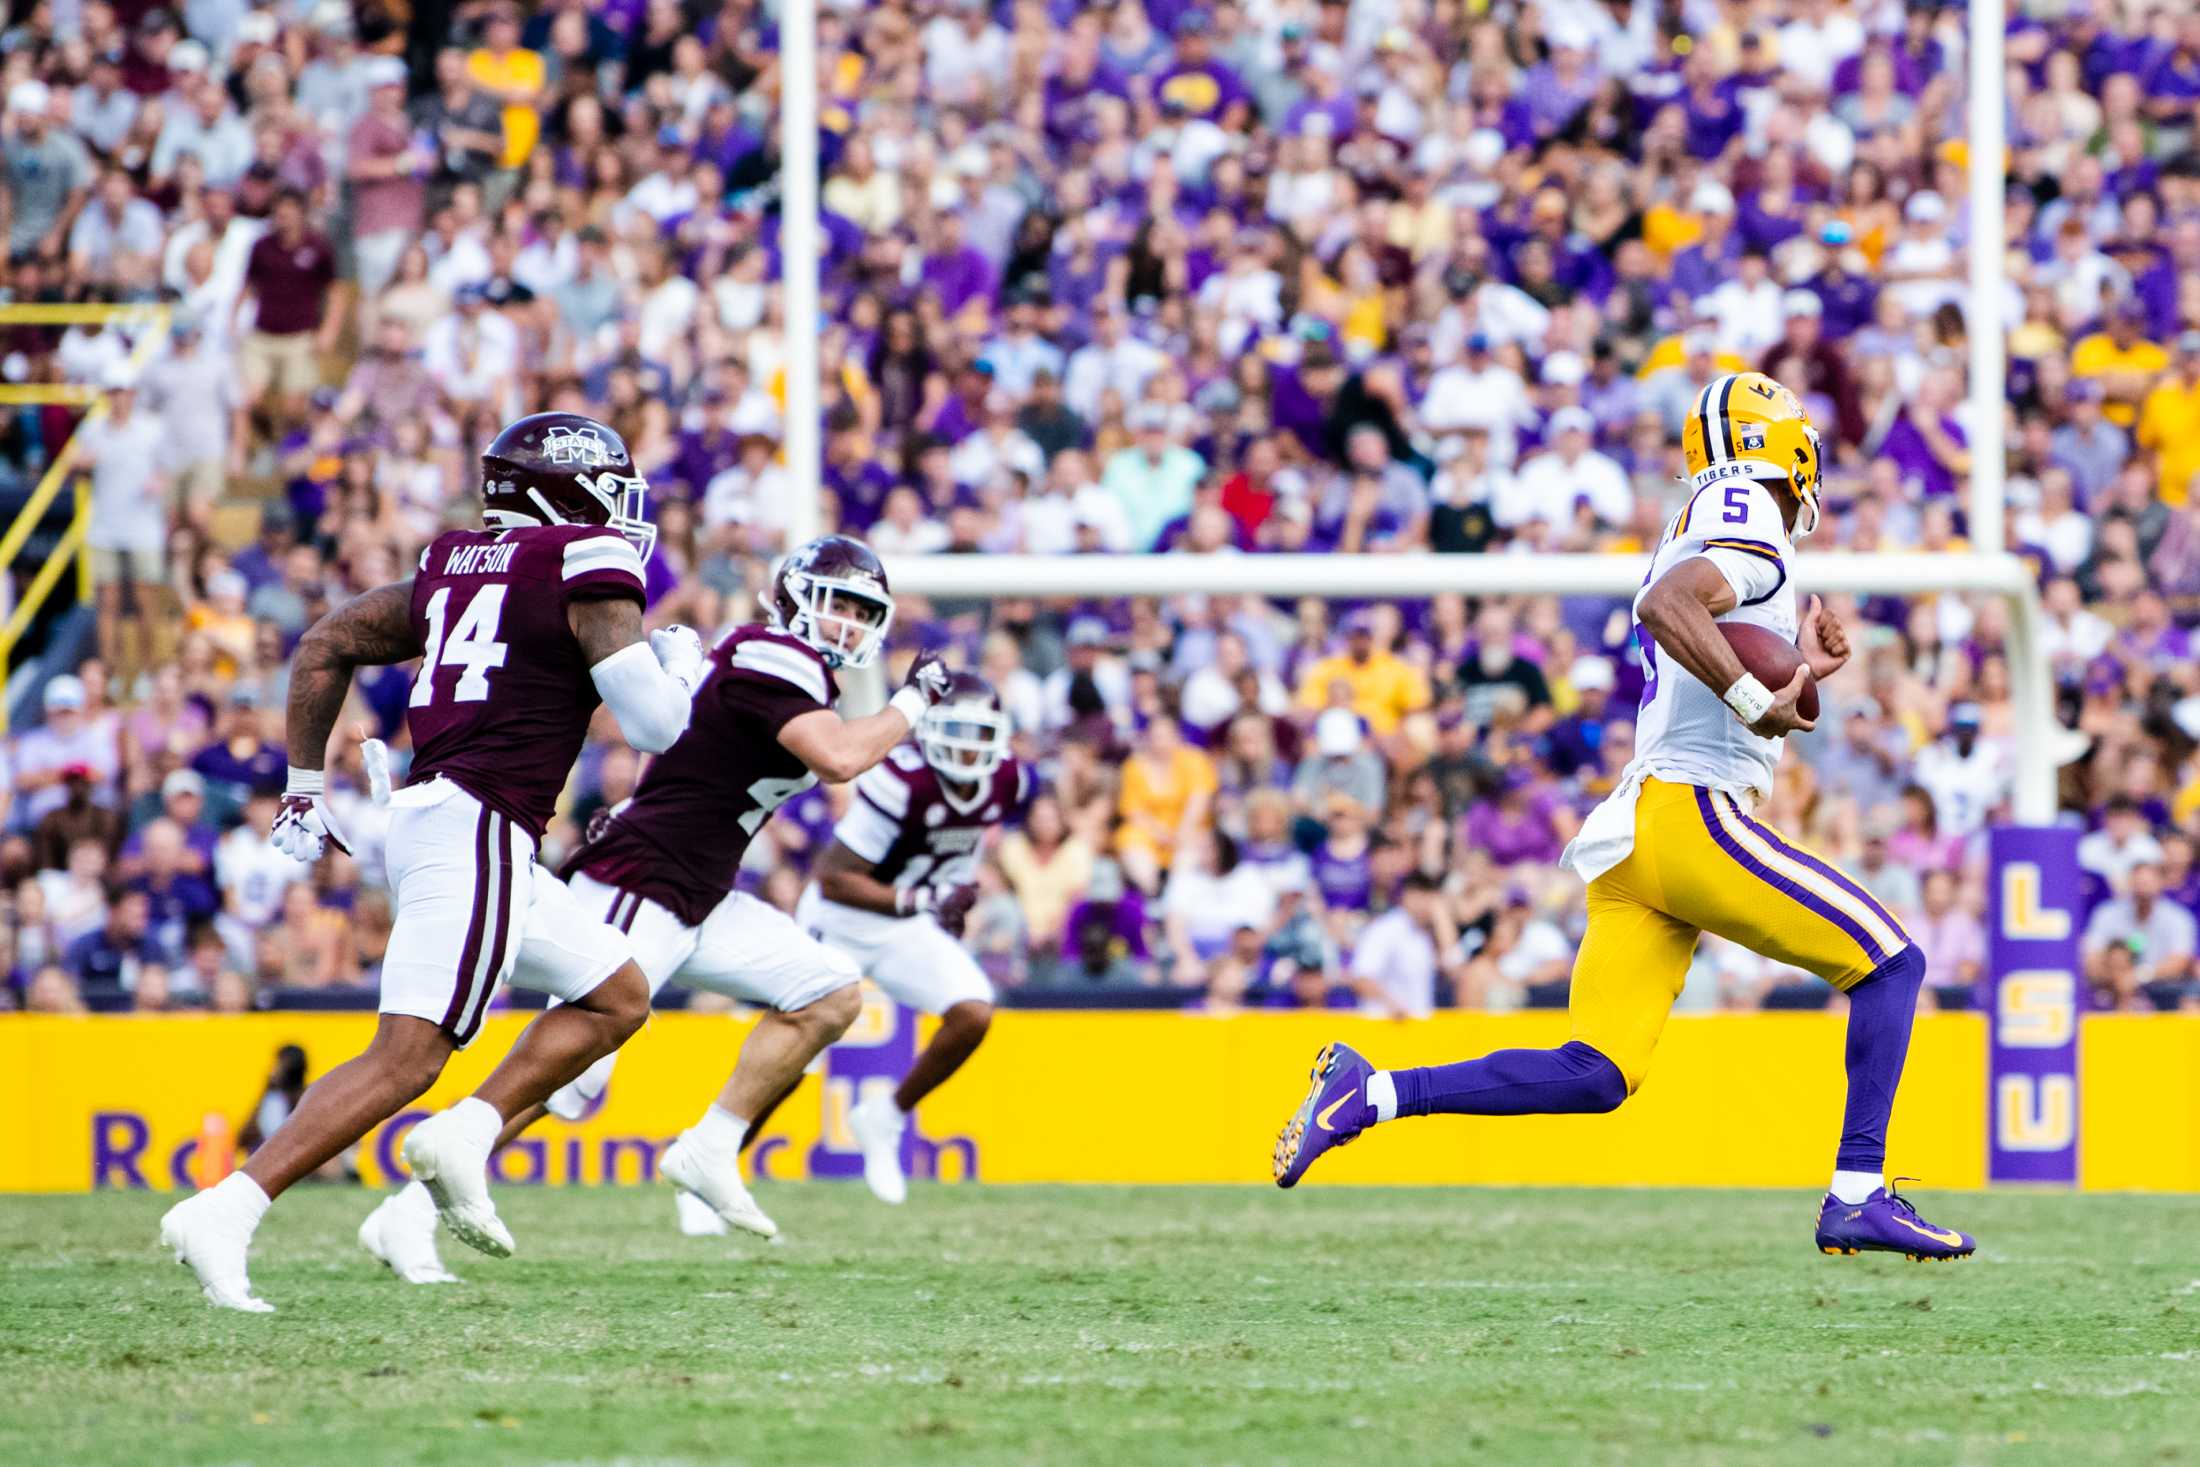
<point x="964" y="735"/>
<point x="832" y="594"/>
<point x="564" y="469"/>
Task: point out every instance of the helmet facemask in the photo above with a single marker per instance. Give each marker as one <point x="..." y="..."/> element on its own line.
<point x="846" y="621"/>
<point x="626" y="495"/>
<point x="964" y="741"/>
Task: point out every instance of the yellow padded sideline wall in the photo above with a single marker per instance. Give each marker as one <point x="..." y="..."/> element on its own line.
<point x="1733" y="1100"/>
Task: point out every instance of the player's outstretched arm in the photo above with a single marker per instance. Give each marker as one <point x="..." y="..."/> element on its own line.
<point x="651" y="704"/>
<point x="837" y="749"/>
<point x="845" y="877"/>
<point x="370" y="630"/>
<point x="1678" y="609"/>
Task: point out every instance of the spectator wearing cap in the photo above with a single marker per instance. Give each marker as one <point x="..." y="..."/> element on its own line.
<point x="1574" y="743"/>
<point x="473" y="353"/>
<point x="1920" y="266"/>
<point x="2169" y="423"/>
<point x="2121" y="360"/>
<point x="1967" y="776"/>
<point x="1804" y="360"/>
<point x="1373" y="682"/>
<point x="124" y="450"/>
<point x="1846" y="291"/>
<point x="2086" y="443"/>
<point x="48" y="174"/>
<point x="388" y="174"/>
<point x="241" y="759"/>
<point x="194" y="396"/>
<point x="79" y="817"/>
<point x="1341" y="764"/>
<point x="1557" y="485"/>
<point x="1152" y="478"/>
<point x="287" y="280"/>
<point x="1480" y="391"/>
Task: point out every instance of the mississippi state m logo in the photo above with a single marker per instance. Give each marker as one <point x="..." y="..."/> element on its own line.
<point x="583" y="446"/>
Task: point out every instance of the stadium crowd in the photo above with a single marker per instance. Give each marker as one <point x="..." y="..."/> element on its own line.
<point x="1359" y="278"/>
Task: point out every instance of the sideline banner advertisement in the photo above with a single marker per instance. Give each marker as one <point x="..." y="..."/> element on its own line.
<point x="2035" y="984"/>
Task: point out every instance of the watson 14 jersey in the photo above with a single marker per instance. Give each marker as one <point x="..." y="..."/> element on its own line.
<point x="916" y="830"/>
<point x="680" y="839"/>
<point x="502" y="700"/>
<point x="1685" y="733"/>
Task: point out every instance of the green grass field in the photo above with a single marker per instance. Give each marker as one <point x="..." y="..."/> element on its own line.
<point x="1121" y="1326"/>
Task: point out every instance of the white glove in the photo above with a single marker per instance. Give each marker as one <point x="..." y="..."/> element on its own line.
<point x="375" y="755"/>
<point x="680" y="653"/>
<point x="304" y="829"/>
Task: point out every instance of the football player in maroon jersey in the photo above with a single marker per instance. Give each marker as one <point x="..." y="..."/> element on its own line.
<point x="661" y="867"/>
<point x="521" y="628"/>
<point x="896" y="884"/>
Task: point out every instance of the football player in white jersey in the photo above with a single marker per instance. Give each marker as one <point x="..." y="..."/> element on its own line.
<point x="1673" y="852"/>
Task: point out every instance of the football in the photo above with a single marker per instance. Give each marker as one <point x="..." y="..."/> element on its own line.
<point x="1772" y="658"/>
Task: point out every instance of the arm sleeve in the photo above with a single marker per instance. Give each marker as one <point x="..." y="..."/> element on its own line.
<point x="651" y="706"/>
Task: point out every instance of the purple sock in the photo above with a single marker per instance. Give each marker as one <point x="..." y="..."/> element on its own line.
<point x="1881" y="1010"/>
<point x="1569" y="1080"/>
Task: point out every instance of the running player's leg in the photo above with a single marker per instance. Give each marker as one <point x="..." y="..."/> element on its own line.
<point x="437" y="959"/>
<point x="1753" y="885"/>
<point x="751" y="950"/>
<point x="1632" y="963"/>
<point x="586" y="965"/>
<point x="925" y="968"/>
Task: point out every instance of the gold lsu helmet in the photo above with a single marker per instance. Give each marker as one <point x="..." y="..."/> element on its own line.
<point x="1744" y="425"/>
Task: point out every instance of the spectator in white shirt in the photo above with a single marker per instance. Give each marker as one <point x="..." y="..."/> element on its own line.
<point x="1114" y="361"/>
<point x="2121" y="845"/>
<point x="1966" y="776"/>
<point x="2158" y="933"/>
<point x="1399" y="956"/>
<point x="1551" y="486"/>
<point x="473" y="354"/>
<point x="904" y="528"/>
<point x="1480" y="392"/>
<point x="1745" y="311"/>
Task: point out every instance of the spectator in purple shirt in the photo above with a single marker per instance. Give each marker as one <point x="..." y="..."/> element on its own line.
<point x="1203" y="86"/>
<point x="954" y="271"/>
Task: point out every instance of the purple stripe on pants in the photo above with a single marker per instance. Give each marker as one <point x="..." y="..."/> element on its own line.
<point x="1823" y="908"/>
<point x="469" y="956"/>
<point x="1831" y="874"/>
<point x="501" y="835"/>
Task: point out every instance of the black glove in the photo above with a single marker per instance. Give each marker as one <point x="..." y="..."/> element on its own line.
<point x="953" y="909"/>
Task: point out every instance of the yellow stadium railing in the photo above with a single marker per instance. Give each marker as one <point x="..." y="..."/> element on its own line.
<point x="74" y="547"/>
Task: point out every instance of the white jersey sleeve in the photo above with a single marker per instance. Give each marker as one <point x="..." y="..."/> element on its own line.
<point x="874" y="816"/>
<point x="1686" y="733"/>
<point x="1737" y="527"/>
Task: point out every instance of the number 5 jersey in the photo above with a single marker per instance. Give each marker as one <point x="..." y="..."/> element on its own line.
<point x="679" y="841"/>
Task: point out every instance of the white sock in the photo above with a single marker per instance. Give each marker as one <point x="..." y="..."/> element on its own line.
<point x="1382" y="1093"/>
<point x="413" y="1198"/>
<point x="241" y="1195"/>
<point x="720" y="1130"/>
<point x="476" y="1120"/>
<point x="1855" y="1187"/>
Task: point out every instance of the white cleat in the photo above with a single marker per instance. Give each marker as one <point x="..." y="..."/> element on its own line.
<point x="455" y="1170"/>
<point x="211" y="1240"/>
<point x="697" y="1220"/>
<point x="719" y="1184"/>
<point x="878" y="1124"/>
<point x="401" y="1232"/>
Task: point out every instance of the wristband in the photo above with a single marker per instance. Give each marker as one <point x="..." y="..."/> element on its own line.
<point x="306" y="782"/>
<point x="1748" y="698"/>
<point x="912" y="901"/>
<point x="910" y="704"/>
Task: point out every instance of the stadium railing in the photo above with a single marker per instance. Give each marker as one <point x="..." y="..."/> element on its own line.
<point x="74" y="547"/>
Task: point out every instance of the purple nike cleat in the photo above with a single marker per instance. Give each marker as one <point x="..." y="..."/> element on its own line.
<point x="1886" y="1223"/>
<point x="1335" y="1110"/>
